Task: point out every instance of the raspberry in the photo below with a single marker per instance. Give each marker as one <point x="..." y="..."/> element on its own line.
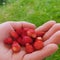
<point x="41" y="33"/>
<point x="16" y="47"/>
<point x="8" y="41"/>
<point x="39" y="38"/>
<point x="19" y="31"/>
<point x="25" y="29"/>
<point x="38" y="44"/>
<point x="20" y="41"/>
<point x="27" y="39"/>
<point x="29" y="48"/>
<point x="31" y="33"/>
<point x="14" y="34"/>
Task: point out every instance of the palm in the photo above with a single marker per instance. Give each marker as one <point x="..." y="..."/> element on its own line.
<point x="7" y="54"/>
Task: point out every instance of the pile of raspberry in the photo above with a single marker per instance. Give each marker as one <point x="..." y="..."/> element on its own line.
<point x="25" y="37"/>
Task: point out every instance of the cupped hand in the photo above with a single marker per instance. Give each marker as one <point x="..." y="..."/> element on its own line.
<point x="49" y="47"/>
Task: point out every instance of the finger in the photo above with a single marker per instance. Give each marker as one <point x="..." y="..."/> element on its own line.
<point x="29" y="25"/>
<point x="45" y="52"/>
<point x="19" y="56"/>
<point x="53" y="29"/>
<point x="20" y="24"/>
<point x="54" y="39"/>
<point x="5" y="29"/>
<point x="45" y="27"/>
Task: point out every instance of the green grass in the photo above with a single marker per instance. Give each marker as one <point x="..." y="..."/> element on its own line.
<point x="34" y="11"/>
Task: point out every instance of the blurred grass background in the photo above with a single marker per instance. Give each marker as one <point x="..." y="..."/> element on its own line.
<point x="34" y="11"/>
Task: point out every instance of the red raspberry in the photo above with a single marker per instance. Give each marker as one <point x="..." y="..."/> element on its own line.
<point x="27" y="39"/>
<point x="19" y="31"/>
<point x="14" y="34"/>
<point x="16" y="47"/>
<point x="29" y="48"/>
<point x="8" y="41"/>
<point x="26" y="29"/>
<point x="31" y="33"/>
<point x="41" y="33"/>
<point x="38" y="44"/>
<point x="39" y="38"/>
<point x="20" y="41"/>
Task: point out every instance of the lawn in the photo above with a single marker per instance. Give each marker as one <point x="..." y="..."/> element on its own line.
<point x="34" y="11"/>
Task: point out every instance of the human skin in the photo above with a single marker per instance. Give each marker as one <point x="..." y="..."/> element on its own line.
<point x="50" y="41"/>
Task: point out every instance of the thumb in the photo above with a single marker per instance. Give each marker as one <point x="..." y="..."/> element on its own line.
<point x="5" y="28"/>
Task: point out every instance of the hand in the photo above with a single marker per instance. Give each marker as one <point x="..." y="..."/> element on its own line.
<point x="6" y="54"/>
